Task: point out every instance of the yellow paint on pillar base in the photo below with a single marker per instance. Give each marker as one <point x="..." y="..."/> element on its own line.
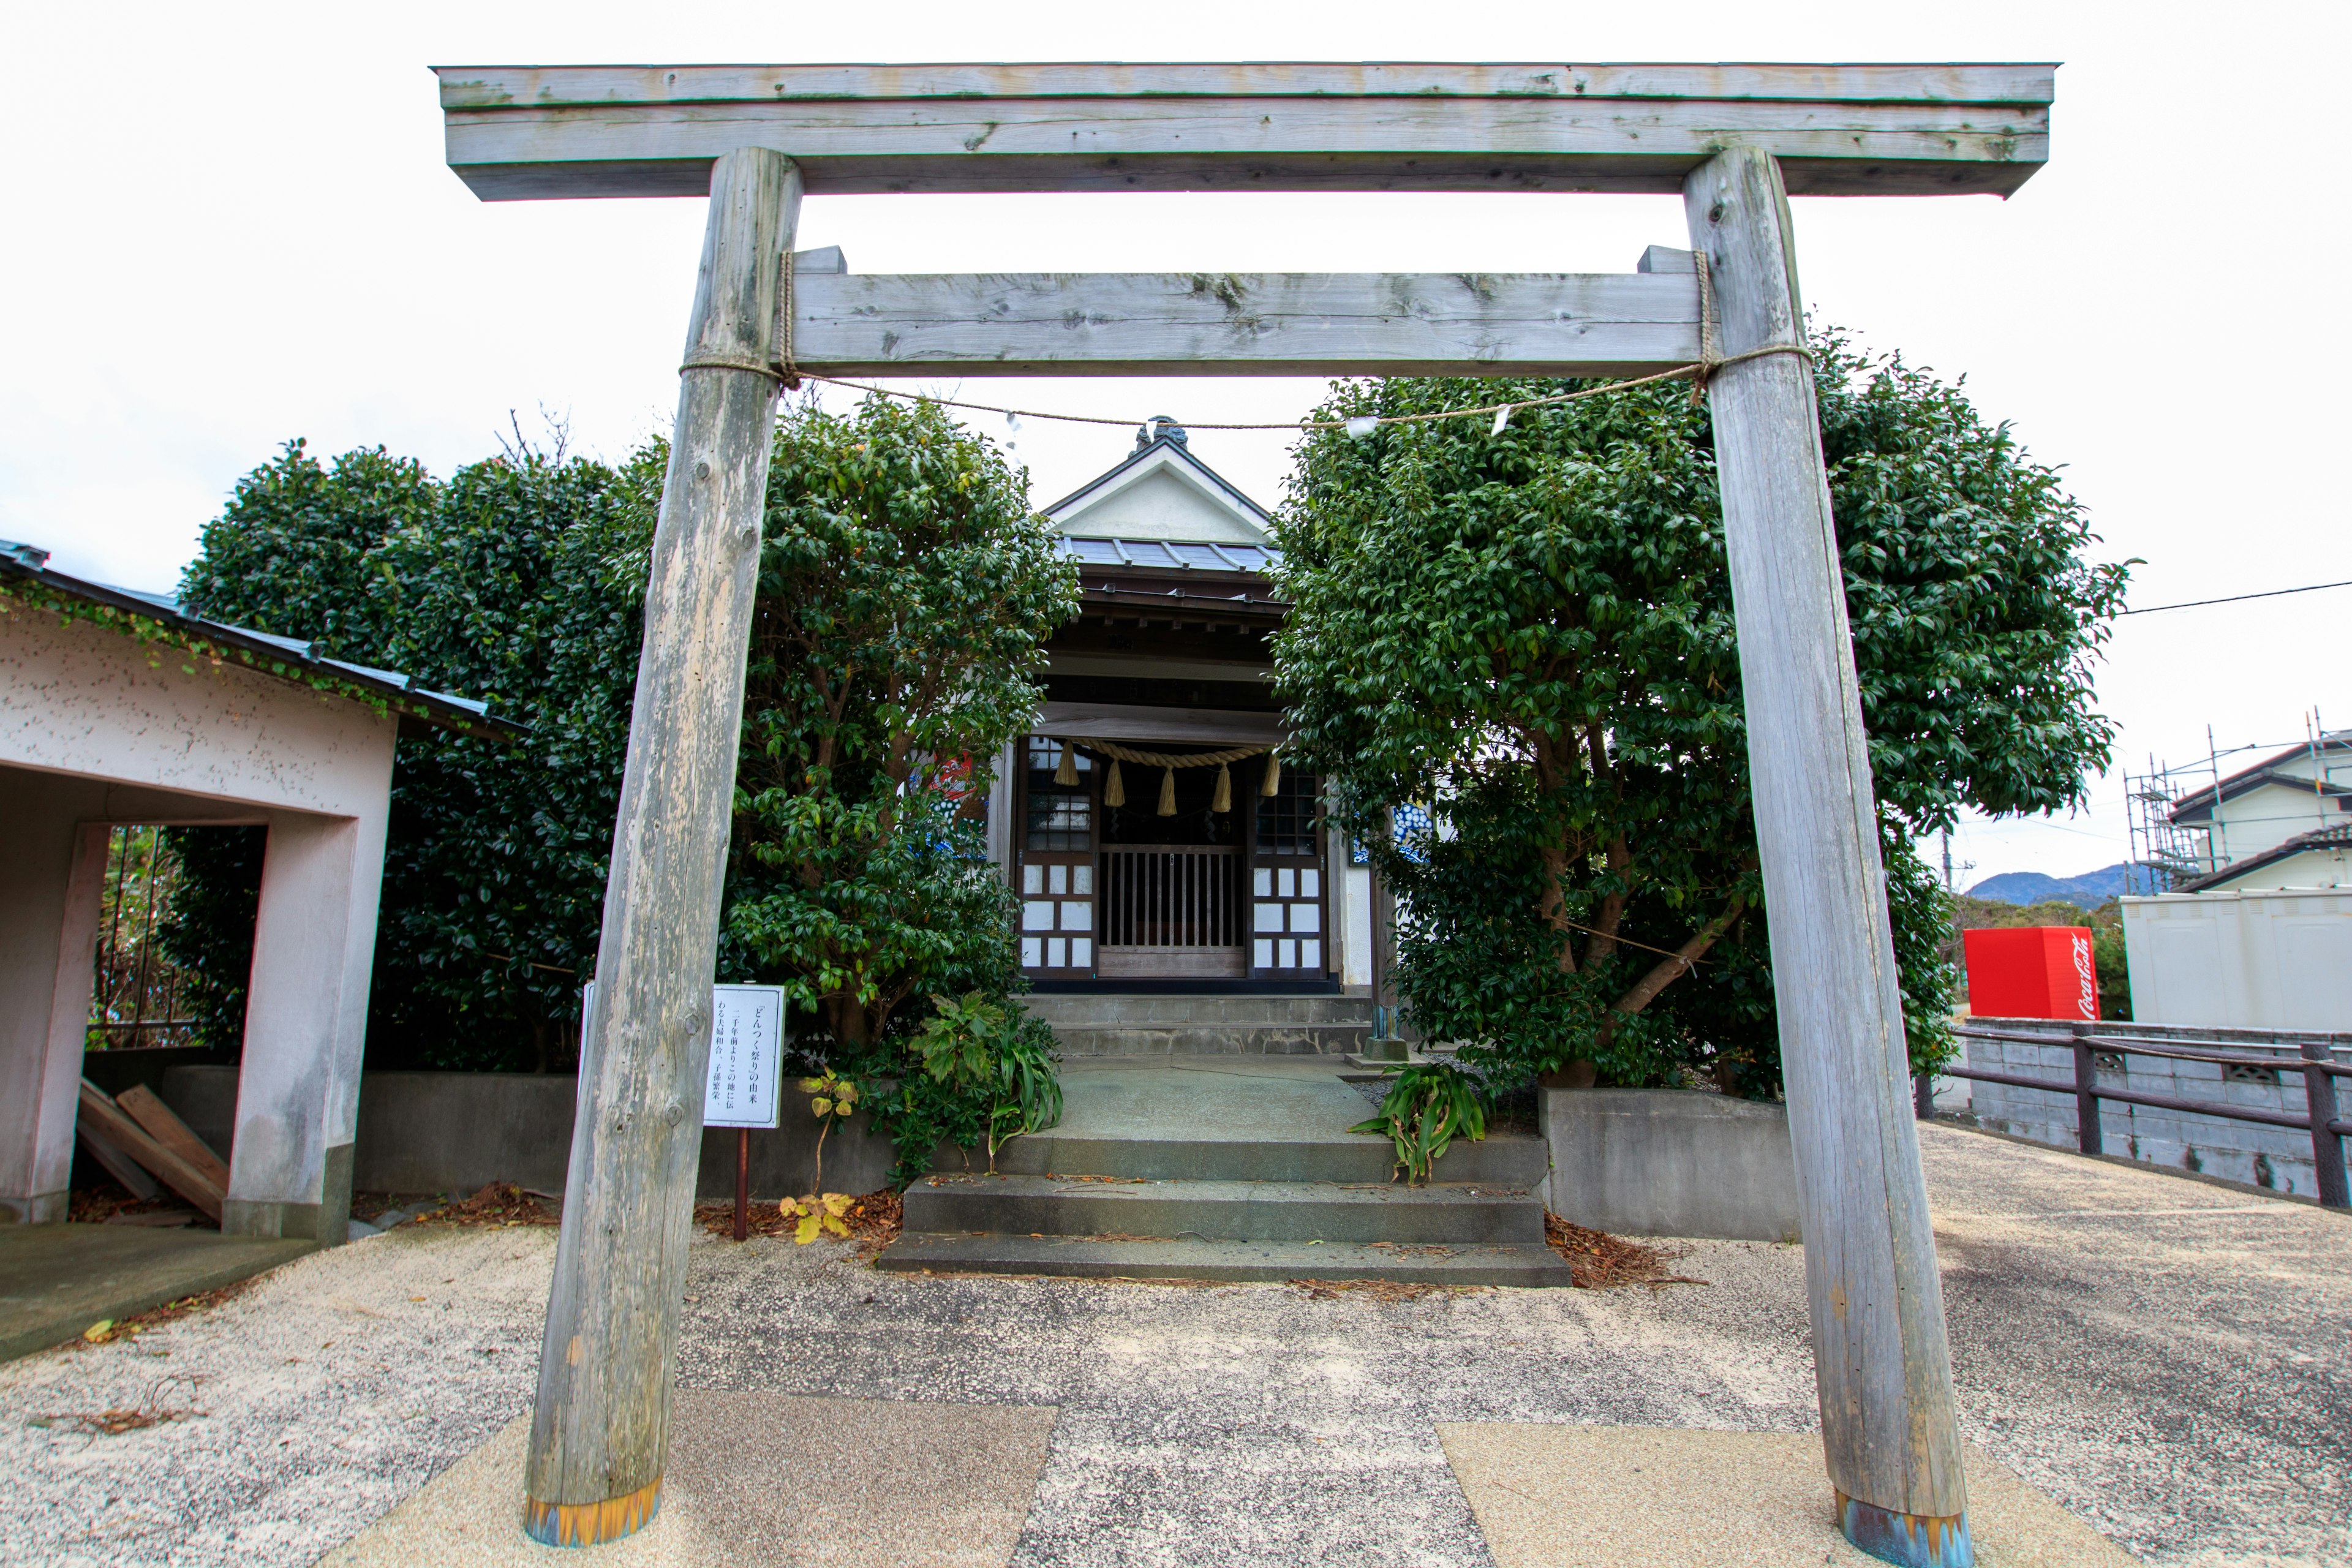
<point x="590" y="1523"/>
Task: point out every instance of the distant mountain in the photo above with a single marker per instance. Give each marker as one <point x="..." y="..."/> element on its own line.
<point x="2086" y="892"/>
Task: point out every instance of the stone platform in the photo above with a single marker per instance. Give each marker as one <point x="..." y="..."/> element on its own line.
<point x="1230" y="1168"/>
<point x="1185" y="1024"/>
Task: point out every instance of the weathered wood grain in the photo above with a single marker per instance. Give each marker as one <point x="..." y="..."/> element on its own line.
<point x="98" y="1111"/>
<point x="159" y="1121"/>
<point x="496" y="87"/>
<point x="600" y="1432"/>
<point x="1229" y="324"/>
<point x="1881" y="1362"/>
<point x="521" y="133"/>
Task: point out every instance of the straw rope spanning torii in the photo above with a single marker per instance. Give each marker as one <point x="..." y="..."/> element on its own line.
<point x="1732" y="140"/>
<point x="1114" y="788"/>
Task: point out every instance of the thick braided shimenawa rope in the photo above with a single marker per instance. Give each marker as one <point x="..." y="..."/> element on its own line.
<point x="1162" y="759"/>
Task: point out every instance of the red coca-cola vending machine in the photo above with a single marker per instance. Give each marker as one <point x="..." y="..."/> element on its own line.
<point x="2031" y="972"/>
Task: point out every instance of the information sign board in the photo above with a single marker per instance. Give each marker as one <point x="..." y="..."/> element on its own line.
<point x="747" y="1053"/>
<point x="747" y="1050"/>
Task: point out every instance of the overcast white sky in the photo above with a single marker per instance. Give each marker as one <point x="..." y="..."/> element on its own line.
<point x="230" y="225"/>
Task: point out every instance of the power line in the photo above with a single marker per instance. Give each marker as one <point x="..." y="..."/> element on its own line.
<point x="2233" y="598"/>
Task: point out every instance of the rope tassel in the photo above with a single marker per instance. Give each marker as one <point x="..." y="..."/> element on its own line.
<point x="1273" y="785"/>
<point x="1114" y="787"/>
<point x="1168" y="792"/>
<point x="1067" y="773"/>
<point x="1223" y="801"/>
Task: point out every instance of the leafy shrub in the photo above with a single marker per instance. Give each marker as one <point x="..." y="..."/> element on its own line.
<point x="1528" y="635"/>
<point x="1427" y="1106"/>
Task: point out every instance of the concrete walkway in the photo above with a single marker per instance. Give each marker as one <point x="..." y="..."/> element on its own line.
<point x="58" y="1279"/>
<point x="2165" y="1358"/>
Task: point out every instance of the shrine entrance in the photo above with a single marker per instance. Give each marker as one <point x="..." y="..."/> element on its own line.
<point x="1196" y="875"/>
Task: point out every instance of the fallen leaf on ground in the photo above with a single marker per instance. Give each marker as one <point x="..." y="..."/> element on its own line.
<point x="1600" y="1261"/>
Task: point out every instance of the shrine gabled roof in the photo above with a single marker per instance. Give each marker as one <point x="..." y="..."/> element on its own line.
<point x="1203" y="555"/>
<point x="1162" y="494"/>
<point x="285" y="659"/>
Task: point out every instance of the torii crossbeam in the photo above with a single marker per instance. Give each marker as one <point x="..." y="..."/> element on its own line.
<point x="1734" y="139"/>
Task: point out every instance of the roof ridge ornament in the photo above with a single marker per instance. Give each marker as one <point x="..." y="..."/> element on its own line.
<point x="1161" y="427"/>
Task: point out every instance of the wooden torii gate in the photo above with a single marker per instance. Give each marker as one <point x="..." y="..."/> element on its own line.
<point x="1734" y="139"/>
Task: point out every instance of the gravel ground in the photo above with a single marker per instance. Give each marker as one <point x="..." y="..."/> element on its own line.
<point x="2166" y="1358"/>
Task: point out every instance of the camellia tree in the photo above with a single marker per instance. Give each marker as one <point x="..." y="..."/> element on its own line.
<point x="508" y="582"/>
<point x="906" y="592"/>
<point x="1528" y="633"/>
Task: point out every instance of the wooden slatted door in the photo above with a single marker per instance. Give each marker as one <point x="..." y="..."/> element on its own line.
<point x="1057" y="864"/>
<point x="1287" y="884"/>
<point x="1171" y="911"/>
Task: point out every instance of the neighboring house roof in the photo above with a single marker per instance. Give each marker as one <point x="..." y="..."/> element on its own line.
<point x="2197" y="806"/>
<point x="283" y="658"/>
<point x="1162" y="494"/>
<point x="2321" y="838"/>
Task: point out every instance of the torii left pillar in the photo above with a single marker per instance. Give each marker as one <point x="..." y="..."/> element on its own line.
<point x="600" y="1434"/>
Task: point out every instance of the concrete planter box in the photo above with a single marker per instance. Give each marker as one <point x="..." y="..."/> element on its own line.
<point x="459" y="1132"/>
<point x="1670" y="1162"/>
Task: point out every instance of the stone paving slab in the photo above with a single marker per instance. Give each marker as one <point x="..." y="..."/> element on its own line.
<point x="1635" y="1497"/>
<point x="58" y="1279"/>
<point x="757" y="1481"/>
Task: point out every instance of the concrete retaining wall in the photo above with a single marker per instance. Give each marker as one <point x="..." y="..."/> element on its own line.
<point x="458" y="1132"/>
<point x="1670" y="1162"/>
<point x="2274" y="1157"/>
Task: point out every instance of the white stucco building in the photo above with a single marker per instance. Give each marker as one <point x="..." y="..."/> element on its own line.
<point x="117" y="708"/>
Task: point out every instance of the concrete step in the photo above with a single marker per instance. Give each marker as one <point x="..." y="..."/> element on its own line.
<point x="1501" y="1159"/>
<point x="1208" y="1040"/>
<point x="1089" y="1025"/>
<point x="1519" y="1264"/>
<point x="1447" y="1213"/>
<point x="1094" y="1010"/>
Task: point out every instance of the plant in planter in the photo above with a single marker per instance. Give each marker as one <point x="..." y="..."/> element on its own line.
<point x="977" y="1046"/>
<point x="1428" y="1105"/>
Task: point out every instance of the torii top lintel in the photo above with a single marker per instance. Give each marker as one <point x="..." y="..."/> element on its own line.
<point x="530" y="132"/>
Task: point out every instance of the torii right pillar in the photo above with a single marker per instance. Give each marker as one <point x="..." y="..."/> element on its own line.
<point x="1880" y="1361"/>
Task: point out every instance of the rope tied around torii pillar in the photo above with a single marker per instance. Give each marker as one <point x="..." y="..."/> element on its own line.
<point x="1115" y="788"/>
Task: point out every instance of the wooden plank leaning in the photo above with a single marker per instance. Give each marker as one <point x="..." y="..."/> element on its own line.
<point x="183" y="1176"/>
<point x="600" y="1431"/>
<point x="161" y="1123"/>
<point x="1880" y="1364"/>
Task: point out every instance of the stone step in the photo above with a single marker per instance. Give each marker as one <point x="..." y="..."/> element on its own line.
<point x="1209" y="1040"/>
<point x="1446" y="1213"/>
<point x="1081" y="1256"/>
<point x="1185" y="1024"/>
<point x="1095" y="1010"/>
<point x="1503" y="1160"/>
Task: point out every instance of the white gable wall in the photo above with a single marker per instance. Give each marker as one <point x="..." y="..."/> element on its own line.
<point x="1162" y="497"/>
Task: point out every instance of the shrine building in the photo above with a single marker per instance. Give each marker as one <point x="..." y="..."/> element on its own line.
<point x="1151" y="826"/>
